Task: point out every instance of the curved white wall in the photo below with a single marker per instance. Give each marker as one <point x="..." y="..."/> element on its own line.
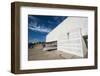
<point x="76" y="27"/>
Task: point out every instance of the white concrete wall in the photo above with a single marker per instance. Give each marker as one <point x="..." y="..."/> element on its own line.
<point x="76" y="27"/>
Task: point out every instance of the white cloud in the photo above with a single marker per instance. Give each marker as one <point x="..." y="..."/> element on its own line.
<point x="34" y="26"/>
<point x="40" y="29"/>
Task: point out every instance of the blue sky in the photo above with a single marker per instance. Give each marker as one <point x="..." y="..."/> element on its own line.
<point x="39" y="26"/>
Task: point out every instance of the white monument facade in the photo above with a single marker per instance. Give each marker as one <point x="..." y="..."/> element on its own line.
<point x="69" y="35"/>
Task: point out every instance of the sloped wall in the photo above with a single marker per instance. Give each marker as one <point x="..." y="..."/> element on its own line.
<point x="69" y="35"/>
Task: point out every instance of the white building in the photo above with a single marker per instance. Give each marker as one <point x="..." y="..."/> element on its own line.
<point x="70" y="36"/>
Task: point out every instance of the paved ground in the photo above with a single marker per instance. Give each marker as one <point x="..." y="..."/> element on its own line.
<point x="37" y="53"/>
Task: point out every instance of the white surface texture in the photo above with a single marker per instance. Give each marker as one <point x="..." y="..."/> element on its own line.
<point x="5" y="35"/>
<point x="75" y="27"/>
